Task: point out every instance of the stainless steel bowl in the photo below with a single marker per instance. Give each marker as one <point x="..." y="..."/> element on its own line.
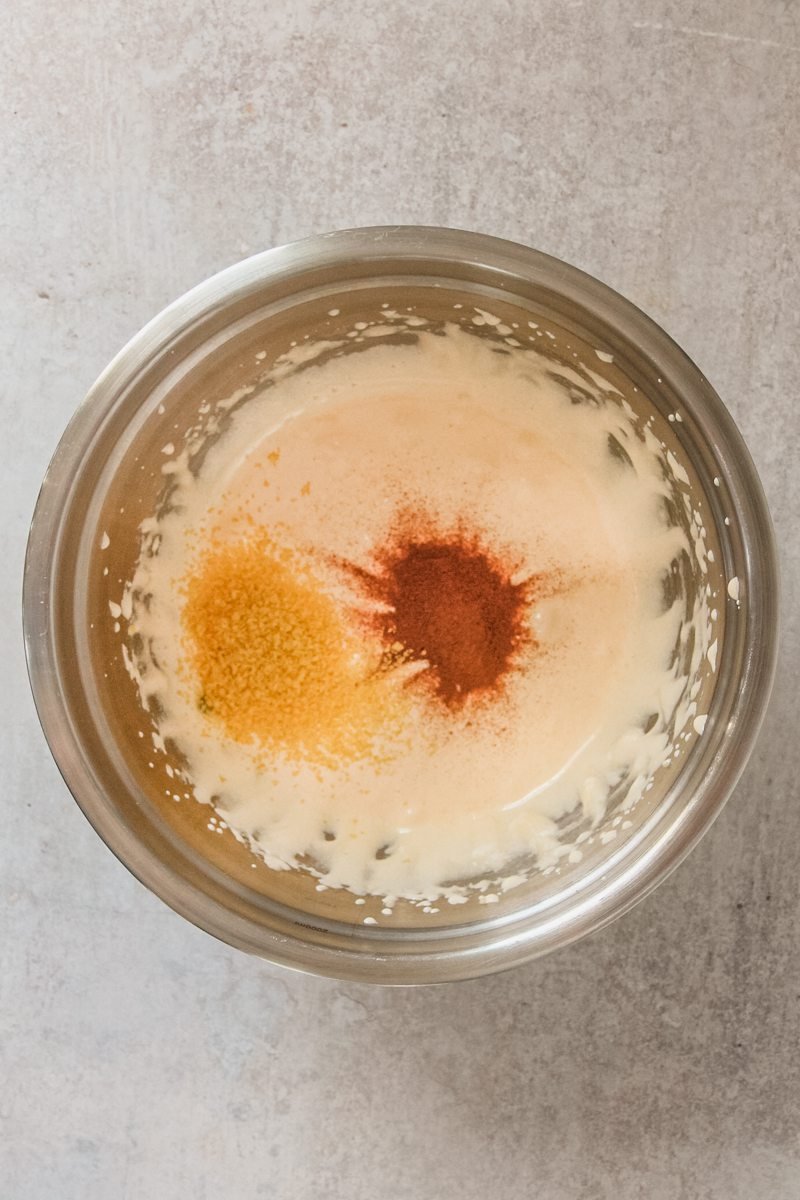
<point x="105" y="477"/>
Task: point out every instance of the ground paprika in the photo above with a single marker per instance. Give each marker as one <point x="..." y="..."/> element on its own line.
<point x="447" y="601"/>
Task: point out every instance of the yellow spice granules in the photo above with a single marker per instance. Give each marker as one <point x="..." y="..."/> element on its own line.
<point x="274" y="661"/>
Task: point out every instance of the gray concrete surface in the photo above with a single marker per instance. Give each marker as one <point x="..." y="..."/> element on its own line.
<point x="655" y="144"/>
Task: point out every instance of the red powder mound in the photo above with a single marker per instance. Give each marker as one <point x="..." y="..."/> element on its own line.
<point x="452" y="604"/>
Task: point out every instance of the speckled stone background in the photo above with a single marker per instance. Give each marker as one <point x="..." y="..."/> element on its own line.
<point x="144" y="146"/>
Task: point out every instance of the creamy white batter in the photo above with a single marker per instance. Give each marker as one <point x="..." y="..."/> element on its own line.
<point x="323" y="460"/>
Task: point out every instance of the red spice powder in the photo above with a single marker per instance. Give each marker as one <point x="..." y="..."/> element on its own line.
<point x="451" y="603"/>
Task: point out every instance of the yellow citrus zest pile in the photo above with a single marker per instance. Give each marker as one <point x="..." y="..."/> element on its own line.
<point x="273" y="660"/>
